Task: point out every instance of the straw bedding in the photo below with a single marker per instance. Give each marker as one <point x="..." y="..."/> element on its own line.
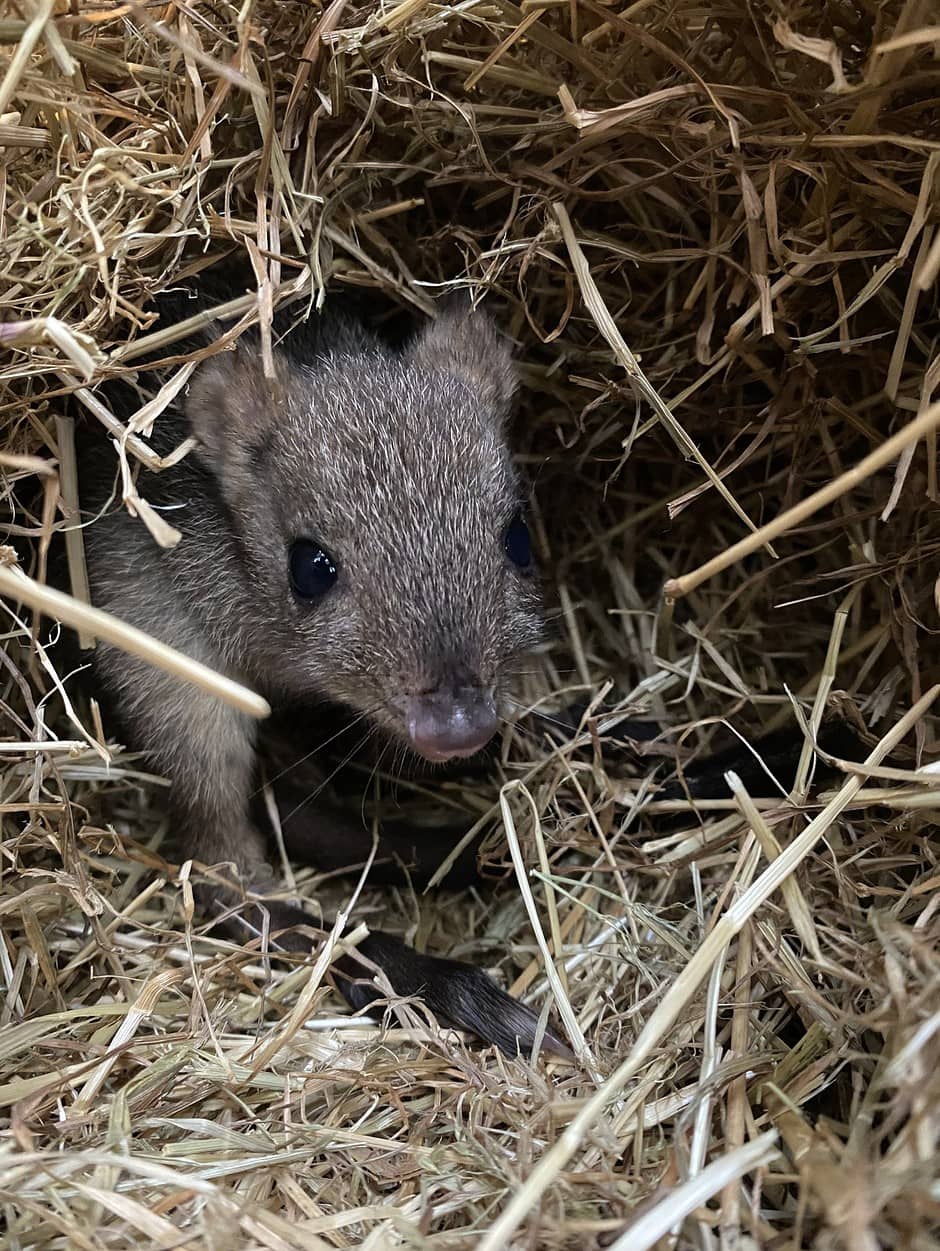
<point x="713" y="232"/>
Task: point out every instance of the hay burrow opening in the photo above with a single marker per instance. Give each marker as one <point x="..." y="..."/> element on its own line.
<point x="712" y="233"/>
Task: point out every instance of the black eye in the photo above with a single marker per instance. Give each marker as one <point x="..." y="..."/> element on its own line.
<point x="312" y="570"/>
<point x="518" y="542"/>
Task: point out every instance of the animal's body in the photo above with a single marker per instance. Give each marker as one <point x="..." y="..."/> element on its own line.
<point x="352" y="532"/>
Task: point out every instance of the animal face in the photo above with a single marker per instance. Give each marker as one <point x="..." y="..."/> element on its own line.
<point x="377" y="513"/>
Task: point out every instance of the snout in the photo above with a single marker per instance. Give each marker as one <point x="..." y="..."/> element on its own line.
<point x="443" y="725"/>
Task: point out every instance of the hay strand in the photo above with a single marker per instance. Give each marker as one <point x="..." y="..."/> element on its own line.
<point x="101" y="625"/>
<point x="915" y="430"/>
<point x="712" y="235"/>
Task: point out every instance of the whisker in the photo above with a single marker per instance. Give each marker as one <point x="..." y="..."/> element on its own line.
<point x="371" y="780"/>
<point x="349" y="725"/>
<point x="530" y="711"/>
<point x="329" y="778"/>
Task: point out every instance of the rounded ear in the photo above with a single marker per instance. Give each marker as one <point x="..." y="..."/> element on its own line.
<point x="232" y="405"/>
<point x="466" y="343"/>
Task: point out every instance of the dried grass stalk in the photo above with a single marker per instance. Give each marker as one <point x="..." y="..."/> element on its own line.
<point x="714" y="235"/>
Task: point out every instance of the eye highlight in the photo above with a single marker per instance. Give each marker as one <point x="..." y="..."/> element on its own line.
<point x="518" y="542"/>
<point x="312" y="570"/>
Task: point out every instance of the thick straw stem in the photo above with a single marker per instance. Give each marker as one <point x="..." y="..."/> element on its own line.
<point x="881" y="456"/>
<point x="92" y="621"/>
<point x="74" y="543"/>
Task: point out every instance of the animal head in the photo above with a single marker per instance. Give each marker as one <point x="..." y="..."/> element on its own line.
<point x="378" y="517"/>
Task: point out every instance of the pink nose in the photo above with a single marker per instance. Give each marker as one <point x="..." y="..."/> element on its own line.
<point x="445" y="724"/>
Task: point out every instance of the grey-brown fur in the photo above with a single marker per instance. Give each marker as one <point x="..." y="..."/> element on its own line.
<point x="397" y="462"/>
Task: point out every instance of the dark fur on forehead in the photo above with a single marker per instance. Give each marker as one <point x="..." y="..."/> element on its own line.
<point x="465" y="343"/>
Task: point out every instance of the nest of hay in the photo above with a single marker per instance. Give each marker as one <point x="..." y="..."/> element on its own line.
<point x="713" y="233"/>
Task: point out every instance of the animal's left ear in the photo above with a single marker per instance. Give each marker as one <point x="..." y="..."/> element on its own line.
<point x="466" y="343"/>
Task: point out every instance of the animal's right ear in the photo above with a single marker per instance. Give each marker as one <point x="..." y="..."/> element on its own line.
<point x="232" y="406"/>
